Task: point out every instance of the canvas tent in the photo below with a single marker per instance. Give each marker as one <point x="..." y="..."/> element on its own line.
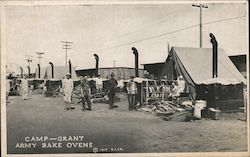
<point x="195" y="65"/>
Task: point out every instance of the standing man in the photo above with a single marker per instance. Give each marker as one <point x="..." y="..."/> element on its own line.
<point x="68" y="87"/>
<point x="112" y="83"/>
<point x="85" y="93"/>
<point x="99" y="84"/>
<point x="120" y="84"/>
<point x="132" y="91"/>
<point x="181" y="84"/>
<point x="25" y="88"/>
<point x="7" y="89"/>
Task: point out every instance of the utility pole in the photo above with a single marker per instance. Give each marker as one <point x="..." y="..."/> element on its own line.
<point x="200" y="6"/>
<point x="114" y="63"/>
<point x="29" y="59"/>
<point x="66" y="45"/>
<point x="39" y="56"/>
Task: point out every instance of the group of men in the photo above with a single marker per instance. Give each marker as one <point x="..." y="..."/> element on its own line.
<point x="178" y="88"/>
<point x="68" y="86"/>
<point x="113" y="84"/>
<point x="14" y="86"/>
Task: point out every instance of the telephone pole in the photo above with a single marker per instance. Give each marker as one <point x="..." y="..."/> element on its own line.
<point x="114" y="63"/>
<point x="66" y="45"/>
<point x="39" y="56"/>
<point x="28" y="59"/>
<point x="200" y="6"/>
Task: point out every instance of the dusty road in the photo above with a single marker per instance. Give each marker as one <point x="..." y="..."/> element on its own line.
<point x="114" y="130"/>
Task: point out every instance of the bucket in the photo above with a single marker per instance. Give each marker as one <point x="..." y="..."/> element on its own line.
<point x="199" y="105"/>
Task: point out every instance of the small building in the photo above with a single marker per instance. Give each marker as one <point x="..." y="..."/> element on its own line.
<point x="119" y="72"/>
<point x="240" y="63"/>
<point x="154" y="68"/>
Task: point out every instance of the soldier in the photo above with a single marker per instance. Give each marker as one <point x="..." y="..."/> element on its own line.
<point x="132" y="91"/>
<point x="85" y="92"/>
<point x="25" y="88"/>
<point x="67" y="91"/>
<point x="99" y="84"/>
<point x="112" y="83"/>
<point x="120" y="84"/>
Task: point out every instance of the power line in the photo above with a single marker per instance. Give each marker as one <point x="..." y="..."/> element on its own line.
<point x="66" y="45"/>
<point x="147" y="25"/>
<point x="167" y="33"/>
<point x="144" y="39"/>
<point x="226" y="19"/>
<point x="39" y="56"/>
<point x="152" y="37"/>
<point x="28" y="59"/>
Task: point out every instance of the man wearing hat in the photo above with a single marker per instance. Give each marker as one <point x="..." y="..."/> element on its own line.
<point x="85" y="92"/>
<point x="67" y="87"/>
<point x="181" y="84"/>
<point x="112" y="83"/>
<point x="25" y="88"/>
<point x="132" y="91"/>
<point x="99" y="84"/>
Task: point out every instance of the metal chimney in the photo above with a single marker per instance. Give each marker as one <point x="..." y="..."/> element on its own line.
<point x="135" y="52"/>
<point x="168" y="49"/>
<point x="96" y="63"/>
<point x="70" y="70"/>
<point x="52" y="69"/>
<point x="21" y="72"/>
<point x="215" y="55"/>
<point x="28" y="71"/>
<point x="39" y="71"/>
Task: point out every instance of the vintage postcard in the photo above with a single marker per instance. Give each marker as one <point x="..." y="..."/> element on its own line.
<point x="124" y="78"/>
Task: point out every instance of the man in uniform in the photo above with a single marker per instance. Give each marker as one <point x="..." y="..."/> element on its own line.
<point x="25" y="88"/>
<point x="67" y="91"/>
<point x="85" y="92"/>
<point x="132" y="91"/>
<point x="99" y="84"/>
<point x="181" y="84"/>
<point x="112" y="83"/>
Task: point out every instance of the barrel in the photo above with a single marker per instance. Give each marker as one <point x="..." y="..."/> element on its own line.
<point x="199" y="105"/>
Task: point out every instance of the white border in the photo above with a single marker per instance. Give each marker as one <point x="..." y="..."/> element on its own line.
<point x="121" y="2"/>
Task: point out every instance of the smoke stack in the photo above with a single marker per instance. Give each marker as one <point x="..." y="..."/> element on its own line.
<point x="52" y="69"/>
<point x="28" y="71"/>
<point x="70" y="70"/>
<point x="168" y="49"/>
<point x="215" y="55"/>
<point x="39" y="71"/>
<point x="135" y="52"/>
<point x="96" y="63"/>
<point x="21" y="72"/>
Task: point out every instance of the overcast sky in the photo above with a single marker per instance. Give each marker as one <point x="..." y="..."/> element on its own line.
<point x="98" y="29"/>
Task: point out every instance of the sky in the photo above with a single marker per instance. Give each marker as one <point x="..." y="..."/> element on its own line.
<point x="111" y="30"/>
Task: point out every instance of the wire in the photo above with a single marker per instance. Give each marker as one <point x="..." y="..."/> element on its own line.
<point x="152" y="37"/>
<point x="221" y="20"/>
<point x="167" y="33"/>
<point x="147" y="25"/>
<point x="144" y="39"/>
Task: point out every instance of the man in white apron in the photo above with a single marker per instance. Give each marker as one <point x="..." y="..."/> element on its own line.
<point x="67" y="90"/>
<point x="25" y="88"/>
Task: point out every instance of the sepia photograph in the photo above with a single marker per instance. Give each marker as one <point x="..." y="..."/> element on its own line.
<point x="124" y="78"/>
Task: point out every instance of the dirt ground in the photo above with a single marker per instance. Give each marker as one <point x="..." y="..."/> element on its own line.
<point x="117" y="131"/>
